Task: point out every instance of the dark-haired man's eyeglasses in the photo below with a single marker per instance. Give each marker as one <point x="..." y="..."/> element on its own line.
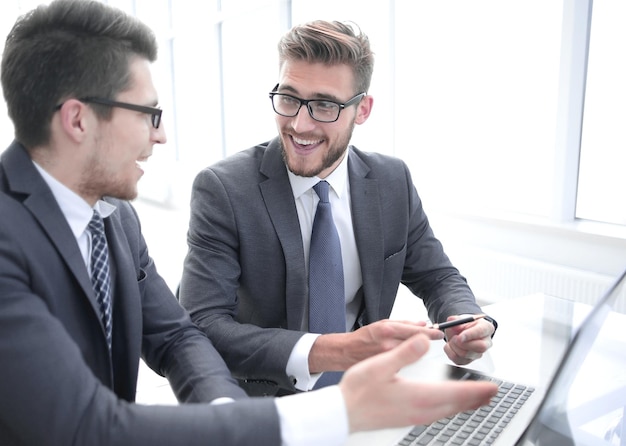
<point x="155" y="113"/>
<point x="322" y="110"/>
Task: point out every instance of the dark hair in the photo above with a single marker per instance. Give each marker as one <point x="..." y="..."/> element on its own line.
<point x="330" y="43"/>
<point x="68" y="49"/>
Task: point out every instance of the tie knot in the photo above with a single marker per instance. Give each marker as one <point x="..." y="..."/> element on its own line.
<point x="321" y="189"/>
<point x="96" y="225"/>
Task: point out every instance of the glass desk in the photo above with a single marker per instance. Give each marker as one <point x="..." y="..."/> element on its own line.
<point x="533" y="334"/>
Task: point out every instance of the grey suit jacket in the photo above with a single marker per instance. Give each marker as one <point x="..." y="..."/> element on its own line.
<point x="58" y="383"/>
<point x="244" y="281"/>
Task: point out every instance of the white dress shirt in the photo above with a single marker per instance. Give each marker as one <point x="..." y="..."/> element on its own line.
<point x="77" y="212"/>
<point x="306" y="205"/>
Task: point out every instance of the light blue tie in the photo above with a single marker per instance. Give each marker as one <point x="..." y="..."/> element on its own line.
<point x="327" y="304"/>
<point x="100" y="278"/>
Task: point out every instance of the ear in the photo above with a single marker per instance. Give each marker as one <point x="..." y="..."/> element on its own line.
<point x="74" y="119"/>
<point x="364" y="109"/>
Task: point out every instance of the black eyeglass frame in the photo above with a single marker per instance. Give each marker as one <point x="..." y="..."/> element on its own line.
<point x="153" y="111"/>
<point x="306" y="102"/>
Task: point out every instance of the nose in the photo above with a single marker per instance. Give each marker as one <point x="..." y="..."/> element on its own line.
<point x="303" y="121"/>
<point x="158" y="135"/>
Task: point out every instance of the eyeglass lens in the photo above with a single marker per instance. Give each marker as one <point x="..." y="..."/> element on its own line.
<point x="156" y="120"/>
<point x="324" y="111"/>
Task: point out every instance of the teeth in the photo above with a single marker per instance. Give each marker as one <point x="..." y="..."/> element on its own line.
<point x="305" y="142"/>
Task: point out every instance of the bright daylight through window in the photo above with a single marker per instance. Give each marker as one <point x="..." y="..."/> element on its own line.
<point x="602" y="182"/>
<point x="465" y="92"/>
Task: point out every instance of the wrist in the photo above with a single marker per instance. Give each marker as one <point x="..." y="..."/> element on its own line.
<point x="328" y="353"/>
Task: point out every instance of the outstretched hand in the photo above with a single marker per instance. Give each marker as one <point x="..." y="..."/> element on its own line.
<point x="339" y="351"/>
<point x="376" y="397"/>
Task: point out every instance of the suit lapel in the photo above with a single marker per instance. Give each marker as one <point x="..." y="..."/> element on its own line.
<point x="24" y="179"/>
<point x="367" y="222"/>
<point x="276" y="191"/>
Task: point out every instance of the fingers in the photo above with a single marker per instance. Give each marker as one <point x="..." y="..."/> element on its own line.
<point x="468" y="342"/>
<point x="386" y="364"/>
<point x="442" y="399"/>
<point x="404" y="321"/>
<point x="479" y="329"/>
<point x="401" y="330"/>
<point x="460" y="356"/>
<point x="376" y="397"/>
<point x="384" y="335"/>
<point x="340" y="351"/>
<point x="406" y="353"/>
<point x="434" y="335"/>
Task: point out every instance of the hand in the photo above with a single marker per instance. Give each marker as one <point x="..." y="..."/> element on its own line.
<point x="469" y="341"/>
<point x="376" y="397"/>
<point x="339" y="351"/>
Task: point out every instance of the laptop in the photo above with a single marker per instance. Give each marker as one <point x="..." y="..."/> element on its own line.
<point x="550" y="414"/>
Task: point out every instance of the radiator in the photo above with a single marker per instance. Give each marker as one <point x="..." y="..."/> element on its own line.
<point x="495" y="276"/>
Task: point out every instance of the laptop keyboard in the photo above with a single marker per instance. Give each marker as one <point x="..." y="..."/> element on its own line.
<point x="476" y="427"/>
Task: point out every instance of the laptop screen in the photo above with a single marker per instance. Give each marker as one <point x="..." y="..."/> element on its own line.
<point x="586" y="402"/>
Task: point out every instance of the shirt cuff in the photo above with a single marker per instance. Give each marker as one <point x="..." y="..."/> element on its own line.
<point x="298" y="363"/>
<point x="313" y="418"/>
<point x="494" y="323"/>
<point x="221" y="400"/>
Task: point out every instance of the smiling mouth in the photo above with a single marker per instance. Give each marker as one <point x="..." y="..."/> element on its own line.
<point x="305" y="144"/>
<point x="141" y="162"/>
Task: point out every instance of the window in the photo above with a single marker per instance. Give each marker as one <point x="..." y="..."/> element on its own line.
<point x="476" y="90"/>
<point x="468" y="93"/>
<point x="602" y="176"/>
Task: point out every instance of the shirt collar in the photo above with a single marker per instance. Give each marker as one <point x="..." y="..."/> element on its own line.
<point x="77" y="211"/>
<point x="337" y="179"/>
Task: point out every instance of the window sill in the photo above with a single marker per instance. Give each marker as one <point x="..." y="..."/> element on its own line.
<point x="585" y="245"/>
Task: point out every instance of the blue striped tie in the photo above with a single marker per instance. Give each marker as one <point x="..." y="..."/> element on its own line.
<point x="100" y="278"/>
<point x="327" y="304"/>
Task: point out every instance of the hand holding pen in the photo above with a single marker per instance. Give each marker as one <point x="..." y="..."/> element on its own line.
<point x="465" y="345"/>
<point x="464" y="320"/>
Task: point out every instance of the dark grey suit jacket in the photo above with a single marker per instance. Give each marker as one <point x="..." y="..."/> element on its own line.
<point x="58" y="383"/>
<point x="244" y="280"/>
